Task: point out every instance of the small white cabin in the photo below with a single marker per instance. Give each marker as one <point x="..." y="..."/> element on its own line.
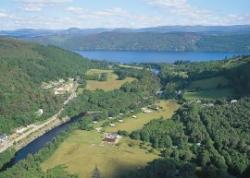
<point x="233" y="101"/>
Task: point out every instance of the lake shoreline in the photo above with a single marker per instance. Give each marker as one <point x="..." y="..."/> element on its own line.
<point x="137" y="57"/>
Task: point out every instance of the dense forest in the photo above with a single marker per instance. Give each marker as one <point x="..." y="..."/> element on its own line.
<point x="215" y="139"/>
<point x="23" y="68"/>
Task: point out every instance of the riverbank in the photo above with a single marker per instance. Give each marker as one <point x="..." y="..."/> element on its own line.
<point x="33" y="136"/>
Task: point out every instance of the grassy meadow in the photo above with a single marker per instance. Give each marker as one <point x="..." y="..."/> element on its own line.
<point x="210" y="83"/>
<point x="209" y="94"/>
<point x="211" y="88"/>
<point x="84" y="150"/>
<point x="130" y="124"/>
<point x="111" y="83"/>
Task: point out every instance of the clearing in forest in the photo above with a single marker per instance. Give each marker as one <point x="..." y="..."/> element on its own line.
<point x="210" y="83"/>
<point x="166" y="110"/>
<point x="210" y="88"/>
<point x="111" y="83"/>
<point x="209" y="94"/>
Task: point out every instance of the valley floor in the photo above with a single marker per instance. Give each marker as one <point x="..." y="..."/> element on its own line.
<point x="85" y="150"/>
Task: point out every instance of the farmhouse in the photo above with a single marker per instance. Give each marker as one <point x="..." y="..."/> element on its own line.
<point x="111" y="138"/>
<point x="146" y="110"/>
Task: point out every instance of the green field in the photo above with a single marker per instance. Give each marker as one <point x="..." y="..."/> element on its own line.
<point x="111" y="83"/>
<point x="167" y="110"/>
<point x="131" y="67"/>
<point x="209" y="94"/>
<point x="112" y="160"/>
<point x="84" y="150"/>
<point x="210" y="83"/>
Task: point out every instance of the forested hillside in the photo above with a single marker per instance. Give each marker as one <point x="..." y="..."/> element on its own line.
<point x="208" y="136"/>
<point x="215" y="139"/>
<point x="151" y="41"/>
<point x="208" y="79"/>
<point x="23" y="68"/>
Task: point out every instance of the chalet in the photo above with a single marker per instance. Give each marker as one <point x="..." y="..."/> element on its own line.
<point x="99" y="129"/>
<point x="159" y="93"/>
<point x="111" y="138"/>
<point x="233" y="101"/>
<point x="198" y="101"/>
<point x="198" y="144"/>
<point x="146" y="110"/>
<point x="210" y="105"/>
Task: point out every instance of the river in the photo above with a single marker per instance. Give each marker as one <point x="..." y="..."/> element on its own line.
<point x="129" y="57"/>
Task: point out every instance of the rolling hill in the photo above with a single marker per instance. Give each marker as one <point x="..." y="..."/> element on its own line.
<point x="165" y="38"/>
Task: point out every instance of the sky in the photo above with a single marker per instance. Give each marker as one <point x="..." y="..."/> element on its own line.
<point x="63" y="14"/>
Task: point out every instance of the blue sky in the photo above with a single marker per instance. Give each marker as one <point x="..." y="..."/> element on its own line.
<point x="61" y="14"/>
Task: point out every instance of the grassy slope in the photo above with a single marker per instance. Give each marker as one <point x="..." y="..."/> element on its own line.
<point x="131" y="124"/>
<point x="111" y="83"/>
<point x="86" y="147"/>
<point x="210" y="83"/>
<point x="83" y="151"/>
<point x="209" y="94"/>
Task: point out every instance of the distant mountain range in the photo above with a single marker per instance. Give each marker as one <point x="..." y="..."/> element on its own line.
<point x="165" y="38"/>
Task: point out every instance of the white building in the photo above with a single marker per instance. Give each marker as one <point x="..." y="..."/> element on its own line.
<point x="233" y="101"/>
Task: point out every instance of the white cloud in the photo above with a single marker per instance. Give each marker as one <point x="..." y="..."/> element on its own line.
<point x="112" y="17"/>
<point x="75" y="9"/>
<point x="188" y="14"/>
<point x="38" y="5"/>
<point x="182" y="8"/>
<point x="3" y="15"/>
<point x="168" y="12"/>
